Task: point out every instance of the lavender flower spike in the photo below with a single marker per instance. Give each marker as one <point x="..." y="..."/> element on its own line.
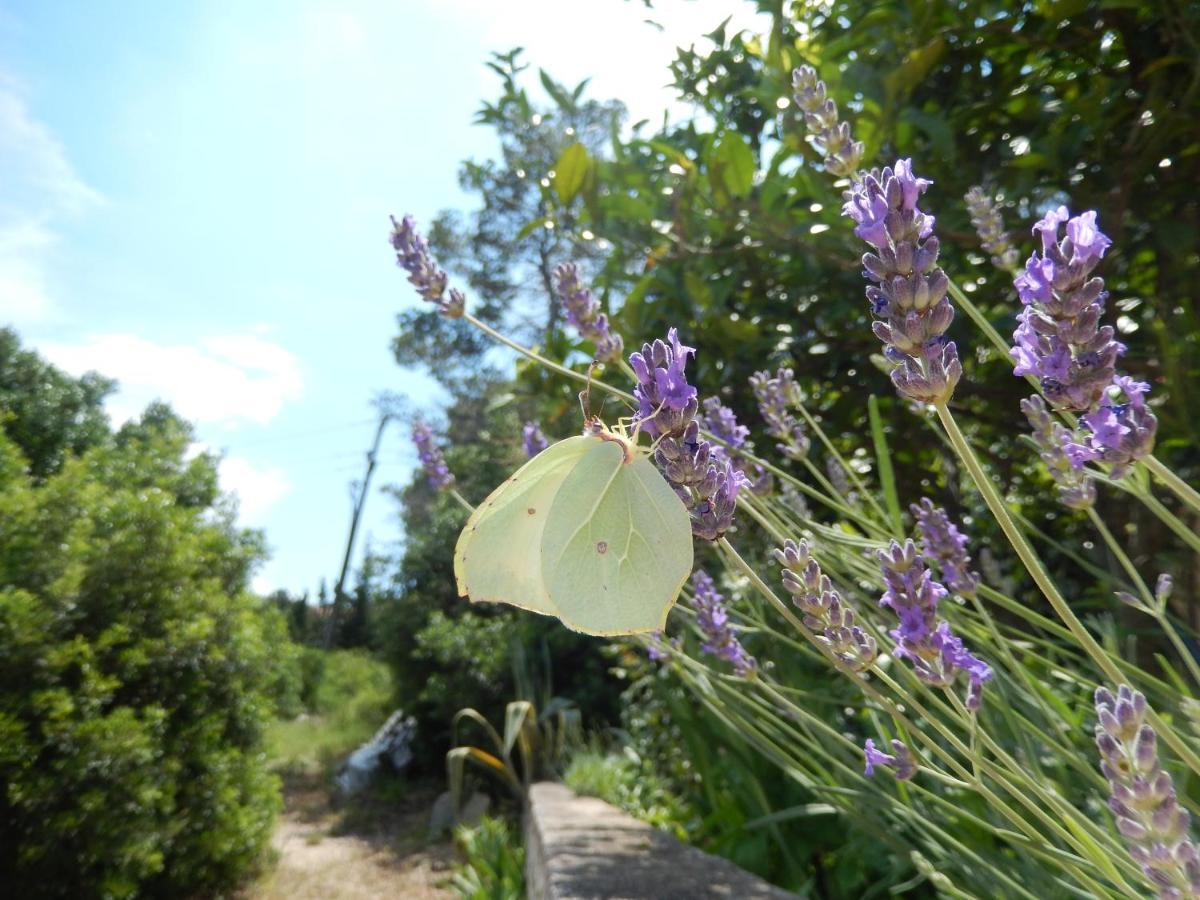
<point x="832" y="136"/>
<point x="824" y="610"/>
<point x="719" y="420"/>
<point x="533" y="439"/>
<point x="666" y="402"/>
<point x="936" y="653"/>
<point x="1075" y="488"/>
<point x="412" y="255"/>
<point x="583" y="312"/>
<point x="1121" y="430"/>
<point x="900" y="760"/>
<point x="436" y="470"/>
<point x="985" y="216"/>
<point x="776" y="395"/>
<point x="701" y="474"/>
<point x="1059" y="339"/>
<point x="1142" y="795"/>
<point x="941" y="541"/>
<point x="720" y="637"/>
<point x="908" y="290"/>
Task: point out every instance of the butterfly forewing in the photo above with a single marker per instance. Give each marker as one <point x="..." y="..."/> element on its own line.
<point x="497" y="558"/>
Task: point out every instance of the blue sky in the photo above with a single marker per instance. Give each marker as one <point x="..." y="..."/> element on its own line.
<point x="194" y="200"/>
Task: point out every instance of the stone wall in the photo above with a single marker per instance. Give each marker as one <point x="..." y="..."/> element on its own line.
<point x="581" y="848"/>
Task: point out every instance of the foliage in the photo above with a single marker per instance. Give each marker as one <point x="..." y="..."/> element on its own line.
<point x="351" y="696"/>
<point x="136" y="672"/>
<point x="540" y="741"/>
<point x="48" y="414"/>
<point x="726" y="225"/>
<point x="494" y="861"/>
<point x="623" y="780"/>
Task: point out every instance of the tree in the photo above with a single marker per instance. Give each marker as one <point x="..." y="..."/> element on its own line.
<point x="47" y="413"/>
<point x="136" y="671"/>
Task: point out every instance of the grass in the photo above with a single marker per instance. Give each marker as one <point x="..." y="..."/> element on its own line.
<point x="619" y="779"/>
<point x="351" y="701"/>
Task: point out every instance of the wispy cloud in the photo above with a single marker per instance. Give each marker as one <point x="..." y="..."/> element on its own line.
<point x="40" y="191"/>
<point x="226" y="380"/>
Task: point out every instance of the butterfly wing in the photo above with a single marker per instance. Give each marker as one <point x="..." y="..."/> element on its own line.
<point x="496" y="559"/>
<point x="617" y="545"/>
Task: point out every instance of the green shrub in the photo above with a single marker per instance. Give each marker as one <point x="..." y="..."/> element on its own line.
<point x="136" y="674"/>
<point x="494" y="867"/>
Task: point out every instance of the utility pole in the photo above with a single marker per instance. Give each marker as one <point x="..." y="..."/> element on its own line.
<point x="359" y="502"/>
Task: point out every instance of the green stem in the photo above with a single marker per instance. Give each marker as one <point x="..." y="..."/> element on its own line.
<point x="462" y="501"/>
<point x="1045" y="583"/>
<point x="1173" y="482"/>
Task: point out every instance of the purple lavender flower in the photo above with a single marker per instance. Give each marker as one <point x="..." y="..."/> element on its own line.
<point x="721" y="422"/>
<point x="900" y="760"/>
<point x="703" y="476"/>
<point x="936" y="653"/>
<point x="943" y="542"/>
<point x="712" y="618"/>
<point x="1149" y="817"/>
<point x="436" y="470"/>
<point x="583" y="312"/>
<point x="533" y="439"/>
<point x="832" y="136"/>
<point x="824" y="610"/>
<point x="666" y="402"/>
<point x="412" y="255"/>
<point x="908" y="293"/>
<point x="776" y="395"/>
<point x="985" y="216"/>
<point x="1075" y="488"/>
<point x="1059" y="339"/>
<point x="761" y="483"/>
<point x="1121" y="430"/>
<point x="655" y="650"/>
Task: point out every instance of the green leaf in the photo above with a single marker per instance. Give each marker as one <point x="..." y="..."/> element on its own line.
<point x="883" y="459"/>
<point x="915" y="66"/>
<point x="530" y="227"/>
<point x="731" y="165"/>
<point x="556" y="91"/>
<point x="571" y="171"/>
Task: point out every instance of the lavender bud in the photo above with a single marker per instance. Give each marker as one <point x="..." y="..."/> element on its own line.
<point x="436" y="471"/>
<point x="907" y="293"/>
<point x="412" y="255"/>
<point x="985" y="216"/>
<point x="831" y="136"/>
<point x="944" y="543"/>
<point x="712" y="618"/>
<point x="533" y="440"/>
<point x="583" y="312"/>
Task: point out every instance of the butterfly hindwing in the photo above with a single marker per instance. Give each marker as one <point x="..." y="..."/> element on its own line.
<point x="617" y="545"/>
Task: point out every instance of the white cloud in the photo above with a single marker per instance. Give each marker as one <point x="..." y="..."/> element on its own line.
<point x="258" y="488"/>
<point x="225" y="380"/>
<point x="40" y="191"/>
<point x="611" y="43"/>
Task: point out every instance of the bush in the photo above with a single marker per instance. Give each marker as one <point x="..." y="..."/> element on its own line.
<point x="135" y="674"/>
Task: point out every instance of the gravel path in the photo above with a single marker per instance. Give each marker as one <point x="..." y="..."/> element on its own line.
<point x="374" y="849"/>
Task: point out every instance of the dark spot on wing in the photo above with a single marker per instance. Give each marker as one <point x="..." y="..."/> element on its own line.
<point x="602" y="546"/>
<point x="531" y="510"/>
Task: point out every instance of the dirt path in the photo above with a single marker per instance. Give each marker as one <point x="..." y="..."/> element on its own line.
<point x="375" y="848"/>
